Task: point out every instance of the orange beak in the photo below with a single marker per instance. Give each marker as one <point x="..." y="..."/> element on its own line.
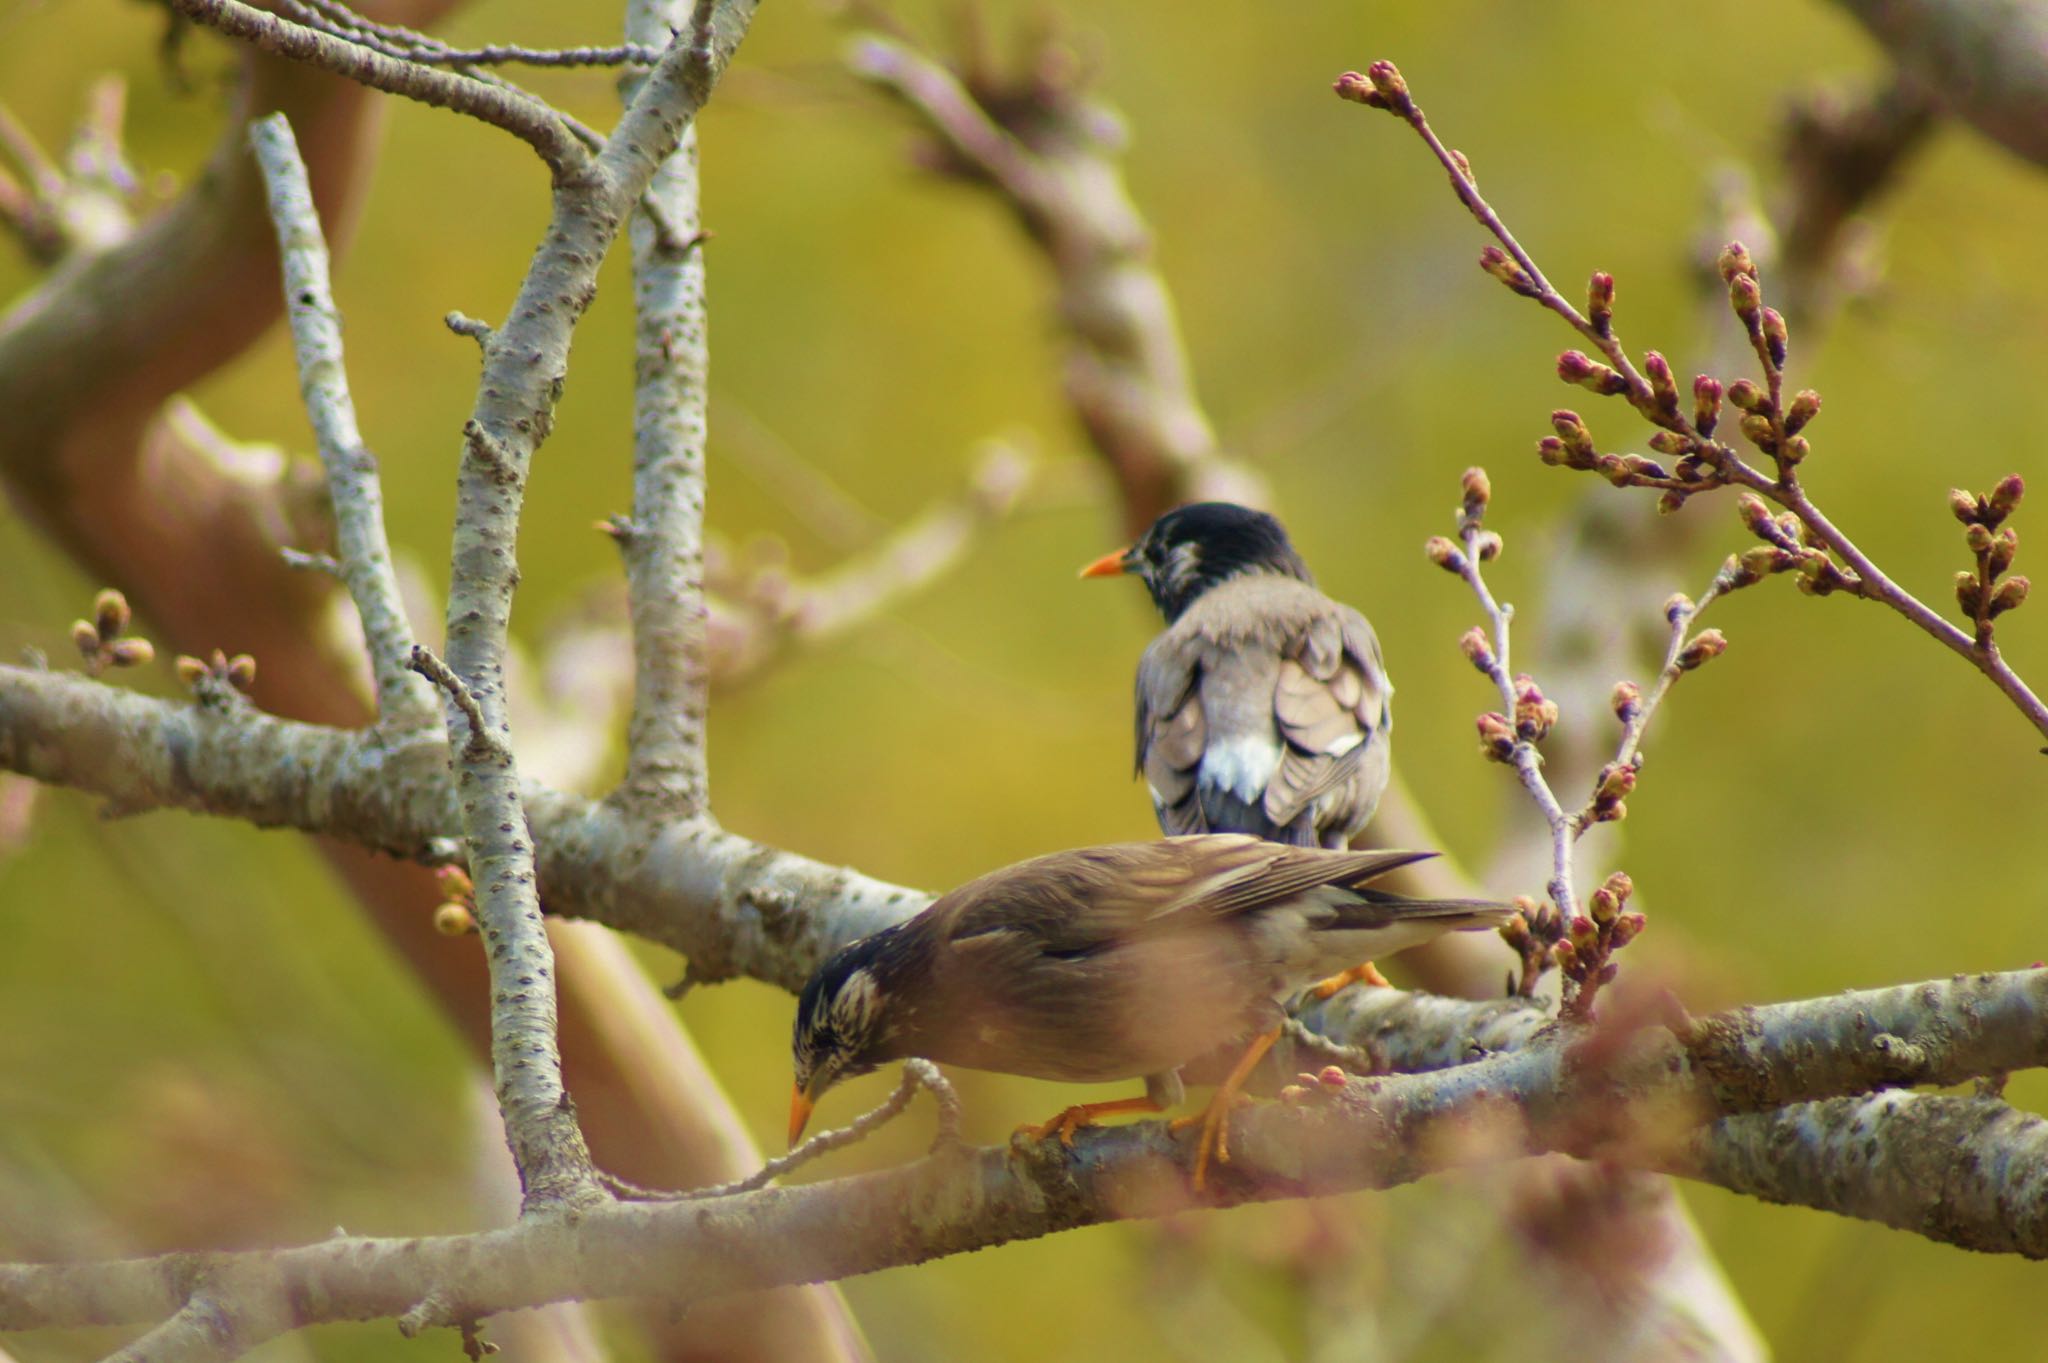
<point x="799" y="1115"/>
<point x="1109" y="565"/>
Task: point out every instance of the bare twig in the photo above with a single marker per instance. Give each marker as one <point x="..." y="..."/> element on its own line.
<point x="917" y="1074"/>
<point x="520" y="114"/>
<point x="352" y="483"/>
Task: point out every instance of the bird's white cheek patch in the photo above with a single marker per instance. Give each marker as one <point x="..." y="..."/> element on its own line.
<point x="1243" y="765"/>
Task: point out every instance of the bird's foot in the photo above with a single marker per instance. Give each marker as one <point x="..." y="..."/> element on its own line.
<point x="1368" y="973"/>
<point x="1072" y="1119"/>
<point x="1213" y="1141"/>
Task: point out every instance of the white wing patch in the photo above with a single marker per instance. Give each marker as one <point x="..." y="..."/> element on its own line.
<point x="1243" y="765"/>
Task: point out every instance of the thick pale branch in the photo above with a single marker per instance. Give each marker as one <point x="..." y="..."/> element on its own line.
<point x="664" y="545"/>
<point x="1985" y="61"/>
<point x="1634" y="1099"/>
<point x="403" y="700"/>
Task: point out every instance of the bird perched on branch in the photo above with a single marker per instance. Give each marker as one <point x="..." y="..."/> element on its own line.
<point x="1263" y="707"/>
<point x="1107" y="963"/>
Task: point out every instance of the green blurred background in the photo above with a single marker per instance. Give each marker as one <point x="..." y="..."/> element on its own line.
<point x="201" y="1042"/>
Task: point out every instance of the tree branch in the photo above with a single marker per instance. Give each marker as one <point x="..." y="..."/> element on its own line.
<point x="1643" y="1098"/>
<point x="1985" y="63"/>
<point x="526" y="118"/>
<point x="403" y="701"/>
<point x="664" y="543"/>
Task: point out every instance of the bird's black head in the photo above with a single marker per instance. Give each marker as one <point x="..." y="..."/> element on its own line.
<point x="1193" y="548"/>
<point x="844" y="1022"/>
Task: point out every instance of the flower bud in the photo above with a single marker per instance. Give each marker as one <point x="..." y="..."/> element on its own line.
<point x="1965" y="506"/>
<point x="190" y="669"/>
<point x="1756" y="517"/>
<point x="2006" y="496"/>
<point x="1356" y="88"/>
<point x="110" y="613"/>
<point x="1603" y="906"/>
<point x="1508" y="271"/>
<point x="1627" y="701"/>
<point x="1677" y="606"/>
<point x="1617" y="779"/>
<point x="1566" y="956"/>
<point x="1600" y="301"/>
<point x="1515" y="932"/>
<point x="1626" y="929"/>
<point x="1585" y="933"/>
<point x="1496" y="736"/>
<point x="86" y="638"/>
<point x="452" y="920"/>
<point x="1772" y="323"/>
<point x="1805" y="407"/>
<point x="1476" y="649"/>
<point x="1671" y="442"/>
<point x="2004" y="545"/>
<point x="1488" y="544"/>
<point x="1572" y="431"/>
<point x="1620" y="885"/>
<point x="241" y="671"/>
<point x="1706" y="645"/>
<point x="2010" y="593"/>
<point x="1978" y="537"/>
<point x="130" y="652"/>
<point x="1534" y="712"/>
<point x="1735" y="261"/>
<point x="1551" y="451"/>
<point x="1745" y="395"/>
<point x="1969" y="594"/>
<point x="1444" y="554"/>
<point x="1672" y="500"/>
<point x="1747" y="300"/>
<point x="1478" y="490"/>
<point x="1706" y="403"/>
<point x="1795" y="449"/>
<point x="1756" y="429"/>
<point x="1386" y="78"/>
<point x="1663" y="384"/>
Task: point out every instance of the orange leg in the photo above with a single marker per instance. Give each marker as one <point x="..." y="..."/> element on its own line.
<point x="1084" y="1114"/>
<point x="1358" y="974"/>
<point x="1215" y="1118"/>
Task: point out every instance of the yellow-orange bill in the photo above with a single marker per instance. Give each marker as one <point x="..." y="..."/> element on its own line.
<point x="1109" y="565"/>
<point x="799" y="1115"/>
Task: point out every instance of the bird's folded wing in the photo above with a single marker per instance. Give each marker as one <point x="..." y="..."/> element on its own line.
<point x="1172" y="731"/>
<point x="1330" y="703"/>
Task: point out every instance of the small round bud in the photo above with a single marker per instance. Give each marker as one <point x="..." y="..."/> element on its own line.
<point x="1331" y="1076"/>
<point x="1978" y="536"/>
<point x="1386" y="78"/>
<point x="1734" y="260"/>
<point x="1600" y="301"/>
<point x="1756" y="516"/>
<point x="452" y="920"/>
<point x="1671" y="442"/>
<point x="1551" y="450"/>
<point x="2006" y="496"/>
<point x="1677" y="606"/>
<point x="1356" y="88"/>
<point x="1805" y="407"/>
<point x="1672" y="500"/>
<point x="1706" y="645"/>
<point x="1496" y="736"/>
<point x="110" y="613"/>
<point x="1663" y="383"/>
<point x="1795" y="449"/>
<point x="85" y="638"/>
<point x="1620" y="885"/>
<point x="1444" y="554"/>
<point x="241" y="671"/>
<point x="1776" y="338"/>
<point x="1566" y="956"/>
<point x="1476" y="649"/>
<point x="1585" y="933"/>
<point x="1575" y="366"/>
<point x="1969" y="594"/>
<point x="1747" y="300"/>
<point x="1627" y="701"/>
<point x="1745" y="395"/>
<point x="1487" y="544"/>
<point x="1603" y="907"/>
<point x="1478" y="491"/>
<point x="1706" y="403"/>
<point x="190" y="669"/>
<point x="1626" y="929"/>
<point x="1965" y="506"/>
<point x="1508" y="271"/>
<point x="2011" y="592"/>
<point x="130" y="652"/>
<point x="1756" y="429"/>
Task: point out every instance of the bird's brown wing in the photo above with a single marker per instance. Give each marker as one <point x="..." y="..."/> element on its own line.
<point x="1076" y="902"/>
<point x="1331" y="704"/>
<point x="1172" y="731"/>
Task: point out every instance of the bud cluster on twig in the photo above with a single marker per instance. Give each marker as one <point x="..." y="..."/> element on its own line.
<point x="217" y="679"/>
<point x="1586" y="955"/>
<point x="103" y="641"/>
<point x="1981" y="594"/>
<point x="455" y="915"/>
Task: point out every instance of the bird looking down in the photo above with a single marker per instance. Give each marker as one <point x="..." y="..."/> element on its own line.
<point x="1263" y="707"/>
<point x="1106" y="963"/>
